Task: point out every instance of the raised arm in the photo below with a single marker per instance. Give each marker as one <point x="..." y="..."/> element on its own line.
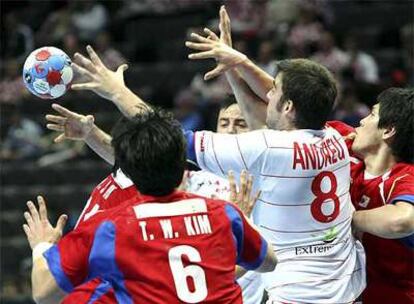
<point x="75" y="126"/>
<point x="107" y="84"/>
<point x="249" y="83"/>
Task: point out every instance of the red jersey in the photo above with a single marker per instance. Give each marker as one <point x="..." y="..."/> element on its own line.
<point x="173" y="249"/>
<point x="111" y="192"/>
<point x="390" y="262"/>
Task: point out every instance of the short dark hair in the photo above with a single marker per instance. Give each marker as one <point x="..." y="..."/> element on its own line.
<point x="312" y="90"/>
<point x="396" y="109"/>
<point x="151" y="150"/>
<point x="228" y="101"/>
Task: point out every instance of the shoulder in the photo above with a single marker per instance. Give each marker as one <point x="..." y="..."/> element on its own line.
<point x="400" y="183"/>
<point x="341" y="127"/>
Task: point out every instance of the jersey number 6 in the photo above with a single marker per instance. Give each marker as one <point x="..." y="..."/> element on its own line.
<point x="322" y="197"/>
<point x="181" y="274"/>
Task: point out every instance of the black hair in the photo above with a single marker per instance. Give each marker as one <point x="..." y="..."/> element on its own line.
<point x="228" y="101"/>
<point x="151" y="150"/>
<point x="396" y="109"/>
<point x="312" y="90"/>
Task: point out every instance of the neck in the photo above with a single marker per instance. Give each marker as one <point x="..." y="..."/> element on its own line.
<point x="380" y="161"/>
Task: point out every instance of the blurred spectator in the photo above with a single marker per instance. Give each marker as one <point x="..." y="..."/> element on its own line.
<point x="110" y="56"/>
<point x="265" y="57"/>
<point x="361" y="65"/>
<point x="88" y="18"/>
<point x="407" y="39"/>
<point x="12" y="88"/>
<point x="330" y="55"/>
<point x="55" y="27"/>
<point x="19" y="41"/>
<point x="305" y="33"/>
<point x="350" y="109"/>
<point x="22" y="140"/>
<point x="71" y="44"/>
<point x="186" y="109"/>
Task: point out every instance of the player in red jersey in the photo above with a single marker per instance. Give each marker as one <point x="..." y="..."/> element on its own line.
<point x="383" y="192"/>
<point x="167" y="246"/>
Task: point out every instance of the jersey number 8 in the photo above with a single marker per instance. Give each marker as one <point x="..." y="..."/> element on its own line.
<point x="322" y="197"/>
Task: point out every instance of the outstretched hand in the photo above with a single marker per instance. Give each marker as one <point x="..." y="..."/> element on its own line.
<point x="71" y="125"/>
<point x="38" y="228"/>
<point x="243" y="197"/>
<point x="216" y="48"/>
<point x="97" y="77"/>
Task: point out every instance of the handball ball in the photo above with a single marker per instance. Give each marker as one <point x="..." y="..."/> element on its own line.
<point x="47" y="72"/>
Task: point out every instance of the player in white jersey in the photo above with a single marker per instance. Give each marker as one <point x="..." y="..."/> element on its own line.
<point x="301" y="166"/>
<point x="117" y="187"/>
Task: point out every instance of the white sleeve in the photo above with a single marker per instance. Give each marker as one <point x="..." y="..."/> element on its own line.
<point x="219" y="153"/>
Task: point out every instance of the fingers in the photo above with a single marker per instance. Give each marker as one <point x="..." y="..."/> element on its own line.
<point x="54" y="127"/>
<point x="94" y="57"/>
<point x="202" y="55"/>
<point x="42" y="208"/>
<point x="33" y="212"/>
<point x="60" y="138"/>
<point x="243" y="184"/>
<point x="85" y="62"/>
<point x="27" y="231"/>
<point x="122" y="68"/>
<point x="84" y="86"/>
<point x="214" y="73"/>
<point x="199" y="38"/>
<point x="211" y="34"/>
<point x="61" y="222"/>
<point x="29" y="220"/>
<point x="57" y="119"/>
<point x="82" y="71"/>
<point x="249" y="184"/>
<point x="350" y="136"/>
<point x="65" y="112"/>
<point x="198" y="46"/>
<point x="233" y="188"/>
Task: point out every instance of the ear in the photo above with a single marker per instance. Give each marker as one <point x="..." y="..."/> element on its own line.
<point x="388" y="133"/>
<point x="289" y="109"/>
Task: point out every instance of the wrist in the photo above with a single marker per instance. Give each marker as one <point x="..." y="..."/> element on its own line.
<point x="39" y="249"/>
<point x="90" y="134"/>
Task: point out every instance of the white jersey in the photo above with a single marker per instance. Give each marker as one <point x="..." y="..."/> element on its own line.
<point x="305" y="209"/>
<point x="210" y="185"/>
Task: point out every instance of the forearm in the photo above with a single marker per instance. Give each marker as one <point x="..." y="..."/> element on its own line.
<point x="389" y="221"/>
<point x="129" y="103"/>
<point x="44" y="287"/>
<point x="253" y="108"/>
<point x="258" y="80"/>
<point x="100" y="143"/>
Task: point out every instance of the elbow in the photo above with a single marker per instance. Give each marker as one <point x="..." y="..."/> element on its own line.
<point x="403" y="225"/>
<point x="270" y="265"/>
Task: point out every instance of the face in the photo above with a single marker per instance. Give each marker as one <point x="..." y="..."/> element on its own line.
<point x="368" y="136"/>
<point x="231" y="121"/>
<point x="276" y="119"/>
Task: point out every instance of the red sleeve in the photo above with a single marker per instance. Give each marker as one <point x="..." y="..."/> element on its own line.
<point x="68" y="260"/>
<point x="344" y="130"/>
<point x="402" y="189"/>
<point x="251" y="247"/>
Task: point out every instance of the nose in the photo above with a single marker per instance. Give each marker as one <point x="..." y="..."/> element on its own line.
<point x="231" y="129"/>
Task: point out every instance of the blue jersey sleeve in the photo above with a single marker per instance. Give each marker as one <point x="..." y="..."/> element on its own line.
<point x="251" y="247"/>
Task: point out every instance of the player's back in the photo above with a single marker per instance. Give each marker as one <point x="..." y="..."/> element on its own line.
<point x="181" y="249"/>
<point x="305" y="212"/>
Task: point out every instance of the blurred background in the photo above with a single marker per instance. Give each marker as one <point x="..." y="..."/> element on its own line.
<point x="368" y="45"/>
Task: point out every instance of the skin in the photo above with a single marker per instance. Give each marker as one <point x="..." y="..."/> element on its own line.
<point x="231" y="121"/>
